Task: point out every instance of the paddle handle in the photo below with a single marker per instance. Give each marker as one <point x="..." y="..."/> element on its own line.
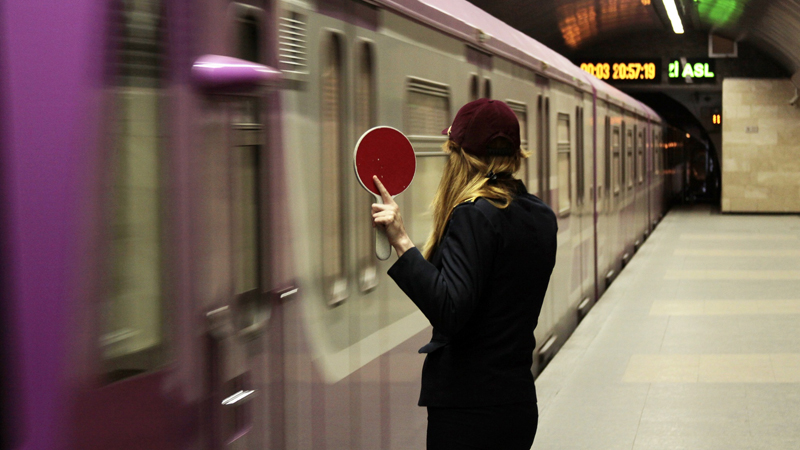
<point x="382" y="248"/>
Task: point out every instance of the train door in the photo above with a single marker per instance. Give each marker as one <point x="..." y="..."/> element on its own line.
<point x="616" y="213"/>
<point x="176" y="358"/>
<point x="235" y="300"/>
<point x="585" y="226"/>
<point x="130" y="389"/>
<point x="234" y="303"/>
<point x="586" y="196"/>
<point x="605" y="197"/>
<point x="641" y="186"/>
<point x="626" y="207"/>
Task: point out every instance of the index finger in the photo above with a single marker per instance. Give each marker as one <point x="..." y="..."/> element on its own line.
<point x="384" y="193"/>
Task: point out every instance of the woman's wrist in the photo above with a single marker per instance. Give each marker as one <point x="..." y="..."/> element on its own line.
<point x="403" y="245"/>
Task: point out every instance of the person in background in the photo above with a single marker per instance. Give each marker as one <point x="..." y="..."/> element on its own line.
<point x="480" y="281"/>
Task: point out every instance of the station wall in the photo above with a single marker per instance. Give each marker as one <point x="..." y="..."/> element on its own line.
<point x="760" y="146"/>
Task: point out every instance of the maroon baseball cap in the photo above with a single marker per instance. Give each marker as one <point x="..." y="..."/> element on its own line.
<point x="480" y="122"/>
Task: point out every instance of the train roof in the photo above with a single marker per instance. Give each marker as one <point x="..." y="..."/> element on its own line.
<point x="480" y="29"/>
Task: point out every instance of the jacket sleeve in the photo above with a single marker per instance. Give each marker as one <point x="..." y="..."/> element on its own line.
<point x="448" y="297"/>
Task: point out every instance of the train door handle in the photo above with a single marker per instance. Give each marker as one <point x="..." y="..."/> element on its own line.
<point x="240" y="397"/>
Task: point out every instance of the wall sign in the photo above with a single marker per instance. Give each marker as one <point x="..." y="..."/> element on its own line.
<point x="640" y="71"/>
<point x="691" y="71"/>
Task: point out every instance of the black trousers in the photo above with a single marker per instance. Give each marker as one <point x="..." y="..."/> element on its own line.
<point x="500" y="427"/>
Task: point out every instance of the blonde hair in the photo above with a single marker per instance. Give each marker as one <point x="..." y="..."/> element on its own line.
<point x="465" y="179"/>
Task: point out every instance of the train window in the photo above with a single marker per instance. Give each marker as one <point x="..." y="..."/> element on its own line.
<point x="629" y="158"/>
<point x="246" y="209"/>
<point x="487" y="88"/>
<point x="615" y="166"/>
<point x="564" y="169"/>
<point x="332" y="226"/>
<point x="133" y="340"/>
<point x="635" y="159"/>
<point x="607" y="154"/>
<point x="521" y="111"/>
<point x="579" y="155"/>
<point x="622" y="173"/>
<point x="656" y="155"/>
<point x="427" y="108"/>
<point x="420" y="196"/>
<point x="474" y="87"/>
<point x="640" y="158"/>
<point x="365" y="119"/>
<point x="427" y="114"/>
<point x="245" y="177"/>
<point x="249" y="38"/>
<point x="543" y="149"/>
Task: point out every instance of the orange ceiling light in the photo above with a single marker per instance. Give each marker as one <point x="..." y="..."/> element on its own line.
<point x="577" y="22"/>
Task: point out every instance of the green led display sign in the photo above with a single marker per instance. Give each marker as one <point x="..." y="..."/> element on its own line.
<point x="691" y="71"/>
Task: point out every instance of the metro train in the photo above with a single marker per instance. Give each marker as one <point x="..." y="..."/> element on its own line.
<point x="191" y="260"/>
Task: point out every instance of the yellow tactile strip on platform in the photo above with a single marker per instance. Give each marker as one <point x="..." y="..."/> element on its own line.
<point x="723" y="307"/>
<point x="738" y="275"/>
<point x="735" y="252"/>
<point x="712" y="368"/>
<point x="737" y="237"/>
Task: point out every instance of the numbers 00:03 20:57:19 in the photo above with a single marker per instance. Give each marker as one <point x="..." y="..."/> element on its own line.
<point x="621" y="71"/>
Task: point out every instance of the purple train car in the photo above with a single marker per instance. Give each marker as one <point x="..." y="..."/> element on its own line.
<point x="187" y="257"/>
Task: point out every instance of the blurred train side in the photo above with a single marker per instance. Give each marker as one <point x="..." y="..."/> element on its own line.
<point x="333" y="355"/>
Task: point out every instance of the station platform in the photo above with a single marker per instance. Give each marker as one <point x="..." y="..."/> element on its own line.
<point x="696" y="345"/>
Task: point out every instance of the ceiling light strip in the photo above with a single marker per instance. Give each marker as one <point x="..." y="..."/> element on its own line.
<point x="674" y="17"/>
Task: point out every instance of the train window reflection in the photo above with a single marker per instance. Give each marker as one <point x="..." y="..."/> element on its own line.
<point x="564" y="165"/>
<point x="133" y="339"/>
<point x="332" y="227"/>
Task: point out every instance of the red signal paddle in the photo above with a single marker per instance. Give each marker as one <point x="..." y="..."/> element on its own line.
<point x="386" y="153"/>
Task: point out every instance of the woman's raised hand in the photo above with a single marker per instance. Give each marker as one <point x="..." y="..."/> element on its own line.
<point x="388" y="216"/>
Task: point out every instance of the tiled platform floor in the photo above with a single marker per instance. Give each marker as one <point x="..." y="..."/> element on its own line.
<point x="696" y="345"/>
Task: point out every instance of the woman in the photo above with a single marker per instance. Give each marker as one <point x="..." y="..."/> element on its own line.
<point x="481" y="283"/>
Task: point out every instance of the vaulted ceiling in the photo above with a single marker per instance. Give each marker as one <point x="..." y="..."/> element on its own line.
<point x="569" y="26"/>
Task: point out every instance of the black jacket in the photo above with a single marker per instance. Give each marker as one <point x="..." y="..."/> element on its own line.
<point x="482" y="292"/>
